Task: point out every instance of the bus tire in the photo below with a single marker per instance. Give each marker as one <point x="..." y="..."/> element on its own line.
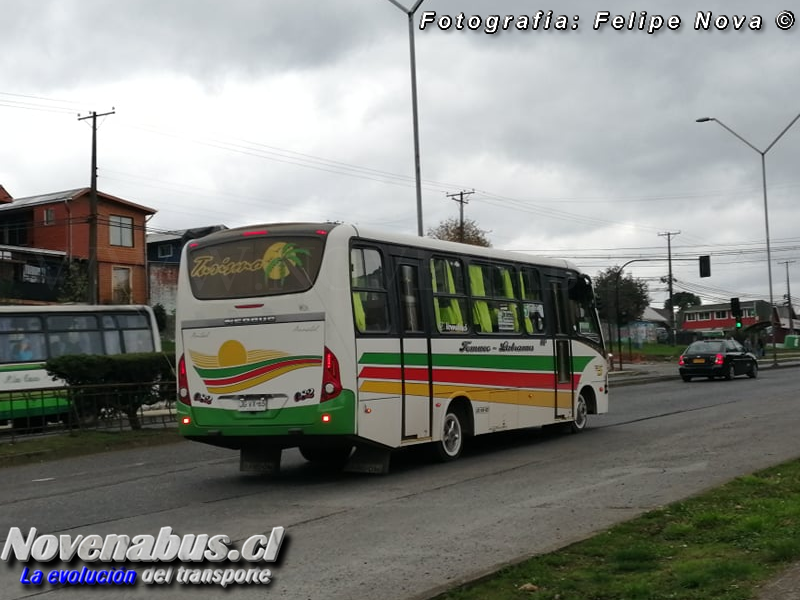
<point x="335" y="456"/>
<point x="581" y="415"/>
<point x="452" y="443"/>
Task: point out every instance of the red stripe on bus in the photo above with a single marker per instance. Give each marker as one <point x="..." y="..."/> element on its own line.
<point x="261" y="371"/>
<point x="494" y="378"/>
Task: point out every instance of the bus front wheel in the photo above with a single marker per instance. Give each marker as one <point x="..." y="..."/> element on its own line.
<point x="581" y="415"/>
<point x="452" y="442"/>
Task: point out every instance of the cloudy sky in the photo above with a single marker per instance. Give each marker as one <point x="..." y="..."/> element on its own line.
<point x="581" y="143"/>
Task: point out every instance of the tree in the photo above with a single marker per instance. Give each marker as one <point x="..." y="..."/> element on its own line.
<point x="633" y="296"/>
<point x="683" y="300"/>
<point x="75" y="284"/>
<point x="450" y="230"/>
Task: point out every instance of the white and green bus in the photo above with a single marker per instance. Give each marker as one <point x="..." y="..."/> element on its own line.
<point x="330" y="337"/>
<point x="29" y="335"/>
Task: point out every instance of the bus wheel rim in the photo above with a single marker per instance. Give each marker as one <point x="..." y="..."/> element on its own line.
<point x="580" y="413"/>
<point x="451" y="436"/>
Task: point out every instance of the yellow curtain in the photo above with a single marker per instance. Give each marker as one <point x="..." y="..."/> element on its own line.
<point x="455" y="307"/>
<point x="480" y="310"/>
<point x="358" y="310"/>
<point x="528" y="324"/>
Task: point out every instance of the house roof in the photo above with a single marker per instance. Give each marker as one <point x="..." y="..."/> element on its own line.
<point x="183" y="234"/>
<point x="67" y="195"/>
<point x="28" y="250"/>
<point x="651" y="314"/>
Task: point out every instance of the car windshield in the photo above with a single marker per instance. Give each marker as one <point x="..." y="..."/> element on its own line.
<point x="705" y="347"/>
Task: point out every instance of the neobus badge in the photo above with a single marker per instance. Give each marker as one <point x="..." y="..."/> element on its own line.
<point x="249" y="320"/>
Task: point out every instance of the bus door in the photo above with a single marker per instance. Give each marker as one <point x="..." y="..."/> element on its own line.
<point x="562" y="350"/>
<point x="415" y="355"/>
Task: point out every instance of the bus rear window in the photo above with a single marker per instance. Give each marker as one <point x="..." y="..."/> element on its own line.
<point x="255" y="266"/>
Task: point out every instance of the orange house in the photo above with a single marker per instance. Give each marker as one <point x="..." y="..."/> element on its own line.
<point x="32" y="228"/>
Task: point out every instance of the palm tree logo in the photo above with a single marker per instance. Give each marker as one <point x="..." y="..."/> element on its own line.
<point x="283" y="258"/>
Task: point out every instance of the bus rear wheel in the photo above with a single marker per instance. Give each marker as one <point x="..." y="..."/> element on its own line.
<point x="452" y="442"/>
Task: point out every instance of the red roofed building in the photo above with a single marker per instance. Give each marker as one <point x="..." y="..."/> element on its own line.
<point x="41" y="235"/>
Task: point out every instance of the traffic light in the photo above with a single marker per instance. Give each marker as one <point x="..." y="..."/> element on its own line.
<point x="705" y="266"/>
<point x="736" y="309"/>
<point x="738" y="322"/>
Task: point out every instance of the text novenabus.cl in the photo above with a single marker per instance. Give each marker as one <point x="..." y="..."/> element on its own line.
<point x="164" y="547"/>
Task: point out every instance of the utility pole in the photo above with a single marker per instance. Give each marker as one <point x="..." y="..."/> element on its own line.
<point x="459" y="197"/>
<point x="788" y="293"/>
<point x="669" y="235"/>
<point x="91" y="297"/>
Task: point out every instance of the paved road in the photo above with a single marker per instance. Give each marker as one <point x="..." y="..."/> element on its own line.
<point x="425" y="526"/>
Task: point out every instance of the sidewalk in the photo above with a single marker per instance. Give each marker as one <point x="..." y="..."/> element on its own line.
<point x="786" y="585"/>
<point x="647" y="372"/>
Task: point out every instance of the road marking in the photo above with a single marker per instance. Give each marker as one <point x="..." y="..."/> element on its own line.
<point x="43" y="479"/>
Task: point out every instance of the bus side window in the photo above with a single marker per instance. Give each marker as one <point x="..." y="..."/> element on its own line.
<point x="533" y="303"/>
<point x="449" y="303"/>
<point x="368" y="285"/>
<point x="494" y="303"/>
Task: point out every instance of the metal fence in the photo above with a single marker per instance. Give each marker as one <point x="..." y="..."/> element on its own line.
<point x="91" y="407"/>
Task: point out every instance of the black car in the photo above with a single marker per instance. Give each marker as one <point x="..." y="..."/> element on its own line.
<point x="717" y="358"/>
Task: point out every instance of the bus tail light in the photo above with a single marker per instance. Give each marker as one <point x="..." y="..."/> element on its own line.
<point x="183" y="383"/>
<point x="331" y="380"/>
<point x="719" y="360"/>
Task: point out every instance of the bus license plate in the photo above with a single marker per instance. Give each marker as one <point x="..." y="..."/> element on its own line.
<point x="252" y="404"/>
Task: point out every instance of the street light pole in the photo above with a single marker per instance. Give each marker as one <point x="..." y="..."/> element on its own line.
<point x="616" y="305"/>
<point x="788" y="294"/>
<point x="410" y="12"/>
<point x="763" y="154"/>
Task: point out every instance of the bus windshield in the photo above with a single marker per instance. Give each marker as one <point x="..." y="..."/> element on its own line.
<point x="256" y="265"/>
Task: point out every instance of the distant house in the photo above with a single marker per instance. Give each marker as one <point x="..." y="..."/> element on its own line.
<point x="41" y="235"/>
<point x="710" y="320"/>
<point x="163" y="259"/>
<point x="646" y="329"/>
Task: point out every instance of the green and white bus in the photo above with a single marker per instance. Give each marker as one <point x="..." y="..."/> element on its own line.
<point x="29" y="335"/>
<point x="328" y="336"/>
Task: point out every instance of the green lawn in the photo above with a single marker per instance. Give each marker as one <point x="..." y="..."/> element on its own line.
<point x="720" y="545"/>
<point x="52" y="447"/>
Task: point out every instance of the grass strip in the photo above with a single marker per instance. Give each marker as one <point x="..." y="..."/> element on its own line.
<point x="80" y="443"/>
<point x="721" y="544"/>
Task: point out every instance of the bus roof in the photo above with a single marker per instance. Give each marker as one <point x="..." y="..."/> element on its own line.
<point x="79" y="308"/>
<point x="375" y="234"/>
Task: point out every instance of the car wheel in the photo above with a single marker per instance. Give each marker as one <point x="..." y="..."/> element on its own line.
<point x="731" y="372"/>
<point x="452" y="442"/>
<point x="753" y="372"/>
<point x="686" y="378"/>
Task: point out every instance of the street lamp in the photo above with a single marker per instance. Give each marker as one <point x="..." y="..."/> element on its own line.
<point x="410" y="12"/>
<point x="763" y="154"/>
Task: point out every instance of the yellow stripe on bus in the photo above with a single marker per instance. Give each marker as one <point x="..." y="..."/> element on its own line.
<point x="480" y="394"/>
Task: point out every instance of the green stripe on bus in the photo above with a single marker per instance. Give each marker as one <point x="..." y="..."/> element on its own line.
<point x="473" y="361"/>
<point x="218" y="372"/>
<point x="29" y="367"/>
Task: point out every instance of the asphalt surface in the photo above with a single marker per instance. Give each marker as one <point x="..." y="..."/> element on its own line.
<point x="395" y="537"/>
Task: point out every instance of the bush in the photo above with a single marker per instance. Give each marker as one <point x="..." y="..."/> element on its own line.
<point x="123" y="382"/>
<point x="160" y="314"/>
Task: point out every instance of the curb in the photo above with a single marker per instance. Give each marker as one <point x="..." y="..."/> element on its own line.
<point x="643" y="376"/>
